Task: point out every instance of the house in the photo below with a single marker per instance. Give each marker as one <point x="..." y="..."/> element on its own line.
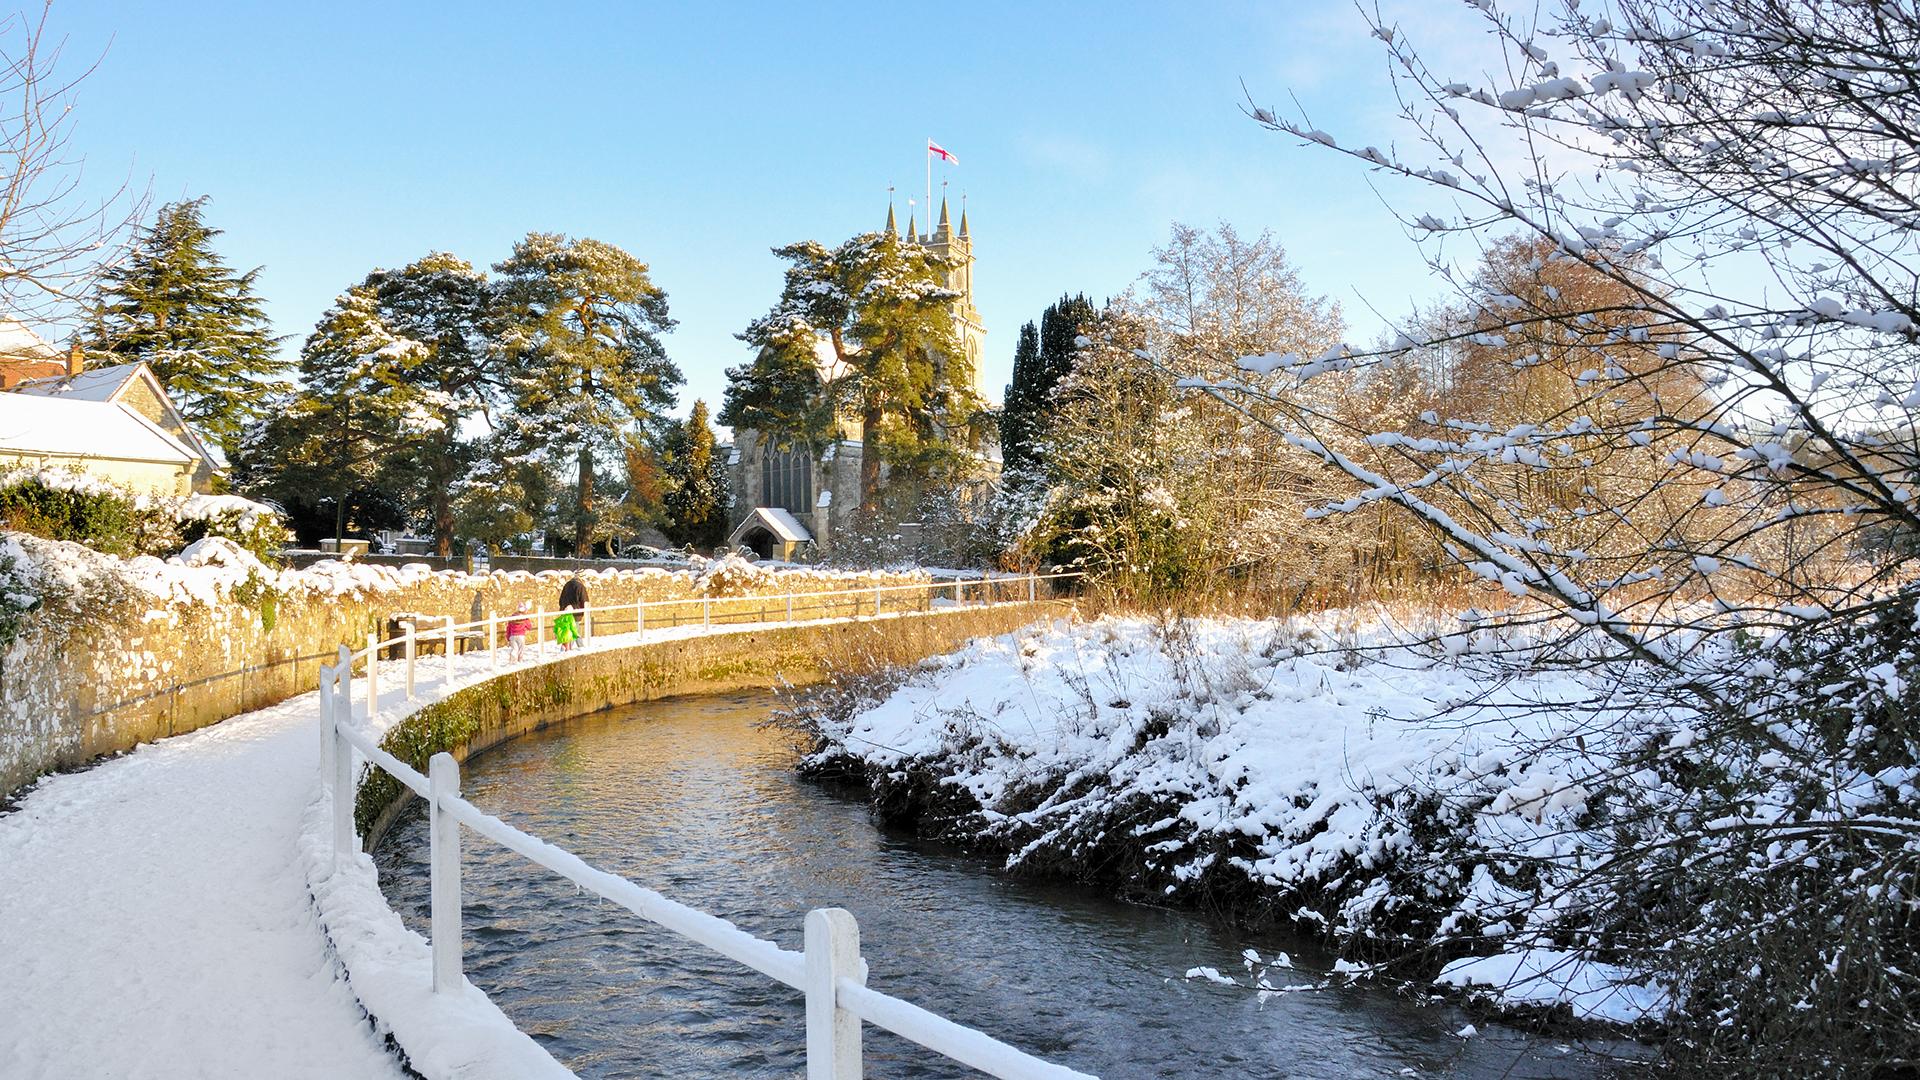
<point x="132" y="389"/>
<point x="99" y="439"/>
<point x="25" y="355"/>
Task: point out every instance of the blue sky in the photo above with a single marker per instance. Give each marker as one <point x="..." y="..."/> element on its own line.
<point x="337" y="137"/>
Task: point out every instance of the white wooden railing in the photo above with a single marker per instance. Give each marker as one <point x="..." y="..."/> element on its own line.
<point x="830" y="971"/>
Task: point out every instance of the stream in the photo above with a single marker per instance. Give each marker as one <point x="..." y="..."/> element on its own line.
<point x="687" y="796"/>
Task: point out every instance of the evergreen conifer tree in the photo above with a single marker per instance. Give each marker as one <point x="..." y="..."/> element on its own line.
<point x="334" y="448"/>
<point x="588" y="375"/>
<point x="193" y="319"/>
<point x="696" y="498"/>
<point x="861" y="331"/>
<point x="1020" y="404"/>
<point x="1041" y="358"/>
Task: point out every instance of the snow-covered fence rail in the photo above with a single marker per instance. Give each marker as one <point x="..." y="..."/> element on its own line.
<point x="830" y="971"/>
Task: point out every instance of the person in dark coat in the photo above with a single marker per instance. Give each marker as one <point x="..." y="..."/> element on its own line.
<point x="570" y="626"/>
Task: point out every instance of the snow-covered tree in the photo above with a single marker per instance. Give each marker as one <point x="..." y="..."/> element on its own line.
<point x="174" y="303"/>
<point x="1721" y="507"/>
<point x="862" y="334"/>
<point x="1043" y="355"/>
<point x="588" y="375"/>
<point x="444" y="369"/>
<point x="338" y="445"/>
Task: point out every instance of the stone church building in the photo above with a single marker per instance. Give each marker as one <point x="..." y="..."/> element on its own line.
<point x="784" y="500"/>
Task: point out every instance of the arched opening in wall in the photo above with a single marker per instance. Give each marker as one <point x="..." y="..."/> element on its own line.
<point x="760" y="542"/>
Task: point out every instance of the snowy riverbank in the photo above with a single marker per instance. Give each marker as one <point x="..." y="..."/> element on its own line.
<point x="1292" y="771"/>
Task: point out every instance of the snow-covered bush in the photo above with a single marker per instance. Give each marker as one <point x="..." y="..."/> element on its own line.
<point x="730" y="576"/>
<point x="67" y="504"/>
<point x="254" y="526"/>
<point x="1706" y="475"/>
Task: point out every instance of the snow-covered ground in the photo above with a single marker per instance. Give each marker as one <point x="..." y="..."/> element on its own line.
<point x="156" y="918"/>
<point x="1311" y="763"/>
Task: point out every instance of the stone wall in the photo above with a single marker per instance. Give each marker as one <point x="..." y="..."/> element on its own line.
<point x="122" y="652"/>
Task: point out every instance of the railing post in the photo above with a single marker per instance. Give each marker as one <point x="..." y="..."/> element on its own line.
<point x="639" y="616"/>
<point x="539" y="623"/>
<point x="586" y="628"/>
<point x="1033" y="586"/>
<point x="876" y="601"/>
<point x="373" y="673"/>
<point x="493" y="639"/>
<point x="449" y="633"/>
<point x="345" y="843"/>
<point x="443" y="780"/>
<point x="412" y="647"/>
<point x="706" y="611"/>
<point x="833" y="1033"/>
<point x="789" y="607"/>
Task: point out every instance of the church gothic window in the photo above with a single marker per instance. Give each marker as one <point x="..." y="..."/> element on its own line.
<point x="786" y="480"/>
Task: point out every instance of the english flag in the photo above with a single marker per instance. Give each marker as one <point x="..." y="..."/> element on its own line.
<point x="940" y="152"/>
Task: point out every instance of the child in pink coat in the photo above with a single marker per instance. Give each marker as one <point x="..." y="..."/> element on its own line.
<point x="518" y="628"/>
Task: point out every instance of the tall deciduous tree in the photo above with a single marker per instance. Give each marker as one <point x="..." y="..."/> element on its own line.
<point x="589" y="376"/>
<point x="1724" y="433"/>
<point x="197" y="322"/>
<point x="864" y="333"/>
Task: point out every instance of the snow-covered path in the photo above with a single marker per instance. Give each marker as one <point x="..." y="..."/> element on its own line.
<point x="155" y="918"/>
<point x="155" y="922"/>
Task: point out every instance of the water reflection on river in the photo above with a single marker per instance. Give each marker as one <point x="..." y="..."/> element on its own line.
<point x="688" y="797"/>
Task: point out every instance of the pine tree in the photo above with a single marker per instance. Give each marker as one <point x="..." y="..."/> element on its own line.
<point x="1040" y="359"/>
<point x="862" y="331"/>
<point x="588" y="375"/>
<point x="338" y="444"/>
<point x="696" y="502"/>
<point x="444" y="367"/>
<point x="194" y="320"/>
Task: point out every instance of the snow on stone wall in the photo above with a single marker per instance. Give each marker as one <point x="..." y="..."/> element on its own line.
<point x="115" y="652"/>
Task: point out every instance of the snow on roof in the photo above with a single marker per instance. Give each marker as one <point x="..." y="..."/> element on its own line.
<point x="94" y="384"/>
<point x="780" y="523"/>
<point x="84" y="429"/>
<point x="17" y="339"/>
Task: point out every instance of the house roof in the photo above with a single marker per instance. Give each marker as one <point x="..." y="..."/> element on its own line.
<point x="94" y="384"/>
<point x="18" y="340"/>
<point x="110" y="384"/>
<point x="783" y="525"/>
<point x="58" y="427"/>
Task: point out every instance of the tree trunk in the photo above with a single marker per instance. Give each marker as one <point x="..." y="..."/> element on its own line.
<point x="583" y="505"/>
<point x="869" y="460"/>
<point x="443" y="498"/>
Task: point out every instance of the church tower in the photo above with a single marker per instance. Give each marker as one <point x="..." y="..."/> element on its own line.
<point x="957" y="249"/>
